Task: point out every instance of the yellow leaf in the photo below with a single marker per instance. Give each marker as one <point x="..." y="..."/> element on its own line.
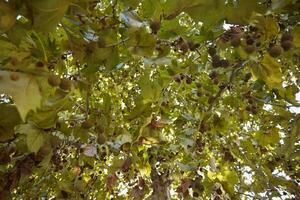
<point x="23" y="89"/>
<point x="268" y="25"/>
<point x="145" y="170"/>
<point x="269" y="70"/>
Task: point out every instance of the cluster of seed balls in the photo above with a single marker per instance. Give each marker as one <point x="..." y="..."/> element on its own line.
<point x="66" y="84"/>
<point x="285" y="45"/>
<point x="62" y="83"/>
<point x="250" y="47"/>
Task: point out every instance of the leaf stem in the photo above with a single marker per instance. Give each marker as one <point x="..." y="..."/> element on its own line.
<point x="41" y="43"/>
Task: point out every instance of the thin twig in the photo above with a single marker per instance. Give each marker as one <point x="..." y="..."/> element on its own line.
<point x="117" y="43"/>
<point x="272" y="104"/>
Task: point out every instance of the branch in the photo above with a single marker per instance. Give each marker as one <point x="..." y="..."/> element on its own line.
<point x="117" y="43"/>
<point x="232" y="76"/>
<point x="272" y="104"/>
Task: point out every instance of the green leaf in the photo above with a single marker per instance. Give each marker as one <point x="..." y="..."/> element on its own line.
<point x="139" y="109"/>
<point x="47" y="14"/>
<point x="200" y="9"/>
<point x="270" y="137"/>
<point x="24" y="91"/>
<point x="141" y="42"/>
<point x="7" y="49"/>
<point x="151" y="9"/>
<point x="34" y="136"/>
<point x="269" y="71"/>
<point x="241" y="11"/>
<point x="268" y="25"/>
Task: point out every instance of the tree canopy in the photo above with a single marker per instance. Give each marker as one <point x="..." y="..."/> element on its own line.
<point x="149" y="99"/>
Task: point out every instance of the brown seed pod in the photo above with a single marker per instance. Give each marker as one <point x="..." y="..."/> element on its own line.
<point x="155" y="26"/>
<point x="177" y="78"/>
<point x="275" y="51"/>
<point x="212" y="51"/>
<point x="216" y="61"/>
<point x="247" y="77"/>
<point x="39" y="64"/>
<point x="184" y="47"/>
<point x="287" y="36"/>
<point x="235" y="41"/>
<point x="193" y="46"/>
<point x="188" y="80"/>
<point x="213" y="74"/>
<point x="53" y="80"/>
<point x="286" y="45"/>
<point x="215" y="81"/>
<point x="87" y="124"/>
<point x="249" y="49"/>
<point x="65" y="84"/>
<point x="224" y="63"/>
<point x="14" y="77"/>
<point x="250" y="41"/>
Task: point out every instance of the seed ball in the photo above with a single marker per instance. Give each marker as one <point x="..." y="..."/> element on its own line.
<point x="248" y="108"/>
<point x="286" y="45"/>
<point x="258" y="44"/>
<point x="250" y="101"/>
<point x="64" y="57"/>
<point x="212" y="51"/>
<point x="177" y="78"/>
<point x="250" y="41"/>
<point x="216" y="61"/>
<point x="155" y="26"/>
<point x="275" y="51"/>
<point x="224" y="63"/>
<point x="87" y="124"/>
<point x="54" y="80"/>
<point x="39" y="64"/>
<point x="287" y="36"/>
<point x="65" y="84"/>
<point x="182" y="76"/>
<point x="193" y="46"/>
<point x="247" y="77"/>
<point x="189" y="80"/>
<point x="222" y="86"/>
<point x="215" y="81"/>
<point x="14" y="76"/>
<point x="184" y="47"/>
<point x="235" y="41"/>
<point x="249" y="49"/>
<point x="254" y="110"/>
<point x="213" y="74"/>
<point x="211" y="100"/>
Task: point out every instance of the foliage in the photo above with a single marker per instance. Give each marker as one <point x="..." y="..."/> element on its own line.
<point x="151" y="99"/>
